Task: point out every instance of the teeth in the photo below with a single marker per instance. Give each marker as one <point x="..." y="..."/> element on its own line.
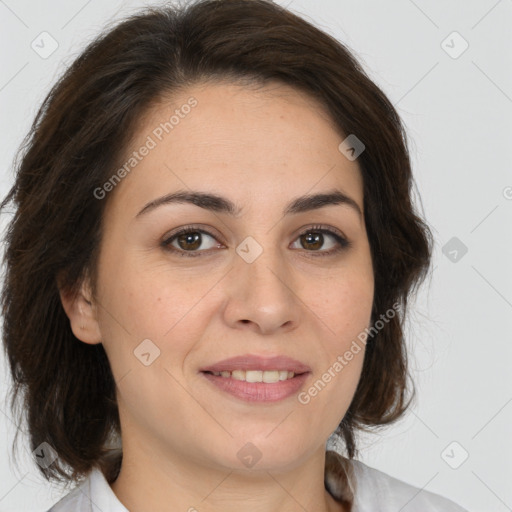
<point x="238" y="375"/>
<point x="254" y="376"/>
<point x="268" y="377"/>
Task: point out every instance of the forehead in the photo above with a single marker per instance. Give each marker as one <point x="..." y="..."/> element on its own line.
<point x="263" y="144"/>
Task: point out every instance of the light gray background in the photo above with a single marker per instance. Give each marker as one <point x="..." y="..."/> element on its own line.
<point x="458" y="115"/>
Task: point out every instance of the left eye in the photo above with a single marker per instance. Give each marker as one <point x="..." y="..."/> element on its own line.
<point x="190" y="241"/>
<point x="315" y="239"/>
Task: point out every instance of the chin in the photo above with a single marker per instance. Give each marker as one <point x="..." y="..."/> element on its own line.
<point x="274" y="452"/>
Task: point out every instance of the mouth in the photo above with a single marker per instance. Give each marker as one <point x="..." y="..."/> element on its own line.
<point x="254" y="363"/>
<point x="267" y="376"/>
<point x="258" y="379"/>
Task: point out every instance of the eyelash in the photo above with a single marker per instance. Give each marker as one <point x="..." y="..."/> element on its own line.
<point x="343" y="243"/>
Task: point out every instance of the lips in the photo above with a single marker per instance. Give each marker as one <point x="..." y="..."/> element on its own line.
<point x="257" y="392"/>
<point x="253" y="362"/>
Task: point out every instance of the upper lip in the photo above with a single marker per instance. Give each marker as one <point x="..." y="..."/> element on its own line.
<point x="254" y="362"/>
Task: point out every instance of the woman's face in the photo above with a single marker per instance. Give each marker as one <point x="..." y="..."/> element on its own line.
<point x="262" y="283"/>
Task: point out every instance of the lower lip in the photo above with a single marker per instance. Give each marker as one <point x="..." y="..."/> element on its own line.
<point x="258" y="391"/>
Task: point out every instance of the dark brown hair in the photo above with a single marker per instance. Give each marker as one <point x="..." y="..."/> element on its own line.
<point x="64" y="388"/>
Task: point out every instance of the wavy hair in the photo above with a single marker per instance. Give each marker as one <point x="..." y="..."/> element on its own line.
<point x="64" y="389"/>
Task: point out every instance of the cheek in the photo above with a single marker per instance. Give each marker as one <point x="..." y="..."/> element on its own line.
<point x="155" y="304"/>
<point x="146" y="299"/>
<point x="345" y="311"/>
<point x="344" y="305"/>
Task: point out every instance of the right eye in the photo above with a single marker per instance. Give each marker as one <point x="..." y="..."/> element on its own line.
<point x="188" y="241"/>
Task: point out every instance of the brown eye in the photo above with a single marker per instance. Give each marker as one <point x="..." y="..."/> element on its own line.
<point x="314" y="239"/>
<point x="189" y="242"/>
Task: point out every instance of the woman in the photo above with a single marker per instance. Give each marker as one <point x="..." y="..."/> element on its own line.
<point x="208" y="269"/>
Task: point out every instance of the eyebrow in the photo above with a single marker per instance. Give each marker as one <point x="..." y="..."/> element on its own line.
<point x="220" y="204"/>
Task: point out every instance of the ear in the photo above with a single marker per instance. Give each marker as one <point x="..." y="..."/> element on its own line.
<point x="81" y="311"/>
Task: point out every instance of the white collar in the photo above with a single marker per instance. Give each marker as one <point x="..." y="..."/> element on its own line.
<point x="94" y="494"/>
<point x="372" y="488"/>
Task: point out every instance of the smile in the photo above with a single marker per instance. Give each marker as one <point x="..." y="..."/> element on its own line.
<point x="238" y="384"/>
<point x="266" y="376"/>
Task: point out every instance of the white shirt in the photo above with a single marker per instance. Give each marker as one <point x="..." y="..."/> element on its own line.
<point x="375" y="492"/>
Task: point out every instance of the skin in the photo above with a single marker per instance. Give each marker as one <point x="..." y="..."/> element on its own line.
<point x="260" y="148"/>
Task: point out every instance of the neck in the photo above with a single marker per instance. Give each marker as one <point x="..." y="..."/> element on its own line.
<point x="152" y="480"/>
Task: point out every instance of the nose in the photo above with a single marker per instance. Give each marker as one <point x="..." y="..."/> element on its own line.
<point x="261" y="296"/>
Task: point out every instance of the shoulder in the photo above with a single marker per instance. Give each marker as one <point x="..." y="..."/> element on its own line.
<point x="374" y="487"/>
<point x="75" y="500"/>
<point x="367" y="489"/>
<point x="93" y="494"/>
